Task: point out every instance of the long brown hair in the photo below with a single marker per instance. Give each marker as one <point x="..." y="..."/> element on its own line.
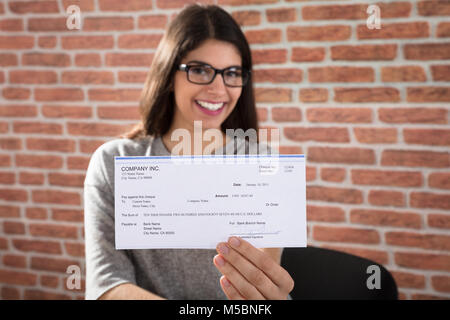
<point x="193" y="25"/>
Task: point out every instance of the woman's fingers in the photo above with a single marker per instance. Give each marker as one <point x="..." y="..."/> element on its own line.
<point x="249" y="271"/>
<point x="229" y="290"/>
<point x="245" y="288"/>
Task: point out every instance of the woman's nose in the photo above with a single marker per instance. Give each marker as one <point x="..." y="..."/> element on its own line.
<point x="218" y="84"/>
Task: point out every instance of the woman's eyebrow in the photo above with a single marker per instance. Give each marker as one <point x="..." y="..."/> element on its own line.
<point x="202" y="62"/>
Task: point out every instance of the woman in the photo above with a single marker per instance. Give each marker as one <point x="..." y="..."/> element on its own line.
<point x="201" y="72"/>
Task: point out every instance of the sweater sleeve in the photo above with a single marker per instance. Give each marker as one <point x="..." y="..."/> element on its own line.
<point x="106" y="267"/>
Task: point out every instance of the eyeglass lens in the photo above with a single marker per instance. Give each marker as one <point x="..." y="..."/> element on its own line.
<point x="204" y="74"/>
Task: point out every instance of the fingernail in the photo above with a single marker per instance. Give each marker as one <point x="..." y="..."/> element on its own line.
<point x="225" y="282"/>
<point x="234" y="242"/>
<point x="220" y="260"/>
<point x="223" y="249"/>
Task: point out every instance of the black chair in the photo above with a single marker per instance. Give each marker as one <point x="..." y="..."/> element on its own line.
<point x="328" y="274"/>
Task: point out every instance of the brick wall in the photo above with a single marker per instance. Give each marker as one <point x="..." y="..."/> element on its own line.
<point x="369" y="108"/>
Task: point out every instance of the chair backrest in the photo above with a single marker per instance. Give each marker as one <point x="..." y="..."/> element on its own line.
<point x="321" y="273"/>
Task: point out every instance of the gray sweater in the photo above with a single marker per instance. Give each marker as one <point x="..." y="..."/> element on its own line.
<point x="170" y="273"/>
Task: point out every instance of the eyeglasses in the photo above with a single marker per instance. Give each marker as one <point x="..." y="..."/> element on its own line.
<point x="205" y="74"/>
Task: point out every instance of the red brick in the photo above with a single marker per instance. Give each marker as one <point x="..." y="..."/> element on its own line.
<point x="10" y="143"/>
<point x="62" y="145"/>
<point x="418" y="240"/>
<point x="433" y="8"/>
<point x="47" y="42"/>
<point x="441" y="221"/>
<point x="11" y="25"/>
<point x="47" y="24"/>
<point x="16" y="93"/>
<point x="9" y="293"/>
<point x="318" y="33"/>
<point x="89" y="146"/>
<point x="383" y="94"/>
<point x="317" y="134"/>
<point x="313" y="95"/>
<point x="269" y="56"/>
<point x="345" y="234"/>
<point x="32" y="77"/>
<point x="12" y="227"/>
<point x="278" y="75"/>
<point x="139" y="41"/>
<point x="87" y="77"/>
<point x="364" y="52"/>
<point x="413" y="115"/>
<point x="9" y="211"/>
<point x="71" y="215"/>
<point x="7" y="178"/>
<point x="401" y="30"/>
<point x="34" y="245"/>
<point x="281" y="15"/>
<point x="21" y="7"/>
<point x="114" y="94"/>
<point x="8" y="59"/>
<point x="58" y="94"/>
<point x="408" y="280"/>
<point x="39" y="161"/>
<point x="66" y="179"/>
<point x="35" y="294"/>
<point x="376" y="135"/>
<point x="441" y="283"/>
<point x="440" y="72"/>
<point x="282" y="114"/>
<point x="108" y="23"/>
<point x="31" y="178"/>
<point x="277" y="95"/>
<point x="386" y="218"/>
<point x="87" y="60"/>
<point x="152" y="22"/>
<point x="247" y="17"/>
<point x="16" y="42"/>
<point x="77" y="163"/>
<point x="96" y="129"/>
<point x="75" y="249"/>
<point x="325" y="214"/>
<point x="439" y="137"/>
<point x="263" y="36"/>
<point x="339" y="115"/>
<point x="428" y="94"/>
<point x="49" y="281"/>
<point x="403" y="74"/>
<point x="128" y="59"/>
<point x="37" y="127"/>
<point x="131" y="5"/>
<point x="133" y="76"/>
<point x="36" y="213"/>
<point x="307" y="54"/>
<point x="13" y="195"/>
<point x="15" y="261"/>
<point x="354" y="11"/>
<point x="333" y="174"/>
<point x="430" y="200"/>
<point x="341" y="155"/>
<point x="387" y="178"/>
<point x="52" y="264"/>
<point x="427" y="51"/>
<point x="439" y="180"/>
<point x="17" y="278"/>
<point x="329" y="194"/>
<point x="46" y="59"/>
<point x="387" y="198"/>
<point x="410" y="158"/>
<point x="53" y="231"/>
<point x="424" y="261"/>
<point x="443" y="30"/>
<point x="57" y="197"/>
<point x="62" y="111"/>
<point x="341" y="74"/>
<point x="87" y="42"/>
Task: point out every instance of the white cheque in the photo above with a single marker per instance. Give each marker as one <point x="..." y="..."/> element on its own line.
<point x="199" y="201"/>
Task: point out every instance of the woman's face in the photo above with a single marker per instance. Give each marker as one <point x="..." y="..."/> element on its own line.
<point x="220" y="55"/>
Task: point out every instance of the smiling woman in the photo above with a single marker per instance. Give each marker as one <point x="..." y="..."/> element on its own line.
<point x="201" y="73"/>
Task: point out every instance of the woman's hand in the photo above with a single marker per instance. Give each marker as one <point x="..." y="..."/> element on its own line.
<point x="250" y="273"/>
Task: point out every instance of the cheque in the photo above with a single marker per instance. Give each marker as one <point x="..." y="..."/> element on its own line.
<point x="198" y="201"/>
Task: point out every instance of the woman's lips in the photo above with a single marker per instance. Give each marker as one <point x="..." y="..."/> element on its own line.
<point x="210" y="112"/>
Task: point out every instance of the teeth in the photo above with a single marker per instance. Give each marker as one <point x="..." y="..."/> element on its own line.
<point x="210" y="106"/>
